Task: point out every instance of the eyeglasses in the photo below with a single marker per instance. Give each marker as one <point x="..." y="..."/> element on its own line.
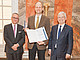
<point x="15" y="18"/>
<point x="62" y="17"/>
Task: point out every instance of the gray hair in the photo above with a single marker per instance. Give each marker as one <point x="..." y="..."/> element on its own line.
<point x="15" y="13"/>
<point x="62" y="13"/>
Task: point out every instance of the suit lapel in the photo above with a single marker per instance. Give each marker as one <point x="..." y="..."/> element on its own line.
<point x="11" y="29"/>
<point x="33" y="23"/>
<point x="55" y="32"/>
<point x="63" y="32"/>
<point x="41" y="21"/>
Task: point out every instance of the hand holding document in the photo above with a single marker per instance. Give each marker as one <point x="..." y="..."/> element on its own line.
<point x="37" y="35"/>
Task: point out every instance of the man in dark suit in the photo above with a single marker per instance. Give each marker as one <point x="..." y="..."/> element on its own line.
<point x="61" y="39"/>
<point x="42" y="21"/>
<point x="14" y="38"/>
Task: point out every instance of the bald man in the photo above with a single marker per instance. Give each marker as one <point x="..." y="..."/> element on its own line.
<point x="39" y="46"/>
<point x="14" y="39"/>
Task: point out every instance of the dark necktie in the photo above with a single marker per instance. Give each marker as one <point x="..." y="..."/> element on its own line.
<point x="59" y="31"/>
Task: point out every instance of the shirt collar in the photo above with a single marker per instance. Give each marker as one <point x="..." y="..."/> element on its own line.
<point x="13" y="24"/>
<point x="39" y="15"/>
<point x="62" y="25"/>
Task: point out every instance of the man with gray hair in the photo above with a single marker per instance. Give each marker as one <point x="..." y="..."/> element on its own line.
<point x="61" y="39"/>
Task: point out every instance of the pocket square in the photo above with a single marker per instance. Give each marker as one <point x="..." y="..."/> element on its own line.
<point x="19" y="32"/>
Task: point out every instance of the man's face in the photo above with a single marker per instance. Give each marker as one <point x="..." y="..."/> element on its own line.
<point x="61" y="18"/>
<point x="15" y="18"/>
<point x="38" y="8"/>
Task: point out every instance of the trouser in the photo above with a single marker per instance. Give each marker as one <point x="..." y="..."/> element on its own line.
<point x="56" y="57"/>
<point x="32" y="53"/>
<point x="14" y="56"/>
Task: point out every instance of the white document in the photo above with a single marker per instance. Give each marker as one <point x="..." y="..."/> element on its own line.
<point x="37" y="35"/>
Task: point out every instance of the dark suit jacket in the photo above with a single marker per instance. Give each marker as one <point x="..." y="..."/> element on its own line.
<point x="65" y="41"/>
<point x="43" y="22"/>
<point x="10" y="40"/>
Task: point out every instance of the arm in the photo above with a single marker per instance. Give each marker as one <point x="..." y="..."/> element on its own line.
<point x="6" y="39"/>
<point x="70" y="44"/>
<point x="50" y="43"/>
<point x="50" y="39"/>
<point x="70" y="41"/>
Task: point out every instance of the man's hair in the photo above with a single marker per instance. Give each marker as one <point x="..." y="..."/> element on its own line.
<point x="15" y="13"/>
<point x="40" y="2"/>
<point x="62" y="13"/>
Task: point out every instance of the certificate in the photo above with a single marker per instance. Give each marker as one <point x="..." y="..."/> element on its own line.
<point x="37" y="35"/>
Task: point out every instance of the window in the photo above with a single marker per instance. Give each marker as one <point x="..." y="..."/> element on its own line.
<point x="5" y="16"/>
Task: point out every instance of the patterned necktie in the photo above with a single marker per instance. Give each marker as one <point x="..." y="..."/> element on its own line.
<point x="37" y="23"/>
<point x="14" y="30"/>
<point x="59" y="31"/>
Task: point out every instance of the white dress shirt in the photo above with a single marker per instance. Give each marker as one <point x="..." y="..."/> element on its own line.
<point x="15" y="29"/>
<point x="36" y="19"/>
<point x="62" y="26"/>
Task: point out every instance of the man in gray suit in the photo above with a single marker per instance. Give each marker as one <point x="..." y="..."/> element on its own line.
<point x="61" y="39"/>
<point x="14" y="38"/>
<point x="42" y="21"/>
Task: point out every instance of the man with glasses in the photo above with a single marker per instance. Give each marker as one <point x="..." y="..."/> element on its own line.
<point x="14" y="38"/>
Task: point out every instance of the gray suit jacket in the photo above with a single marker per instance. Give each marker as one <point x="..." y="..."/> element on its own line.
<point x="10" y="40"/>
<point x="65" y="41"/>
<point x="43" y="22"/>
